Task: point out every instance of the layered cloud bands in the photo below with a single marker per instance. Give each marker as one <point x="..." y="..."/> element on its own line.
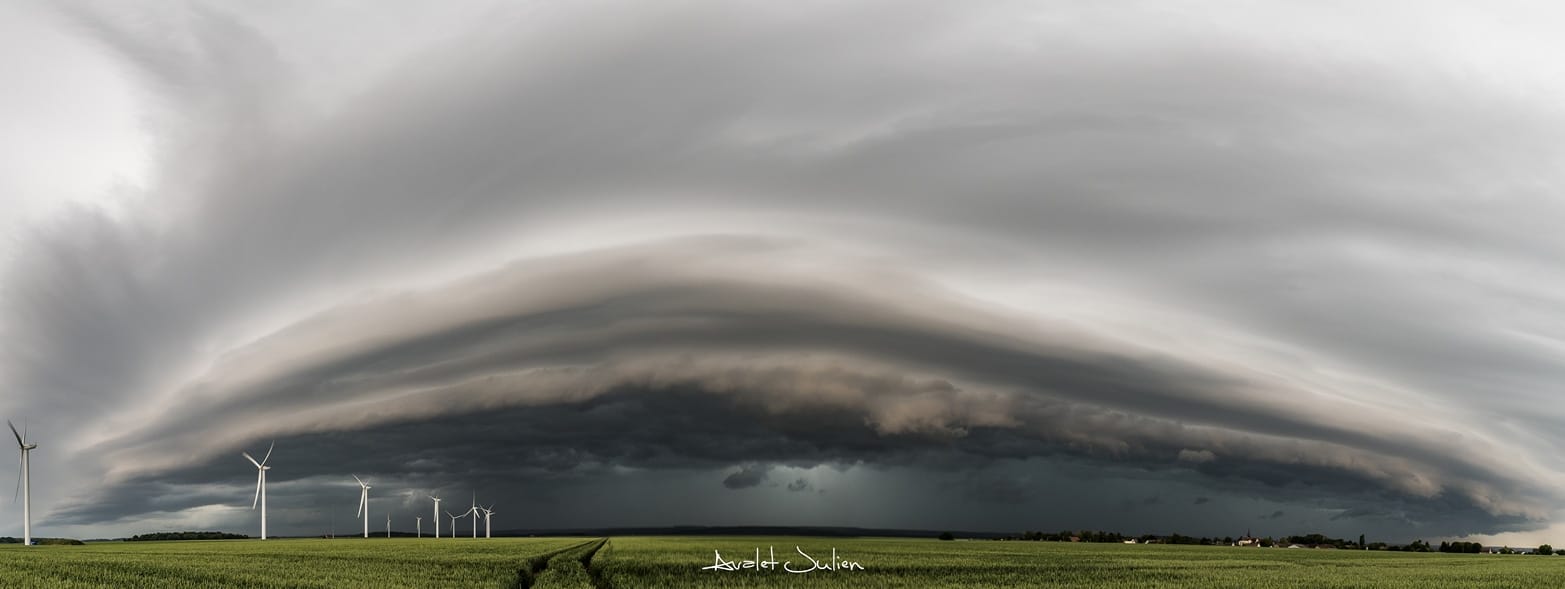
<point x="800" y="250"/>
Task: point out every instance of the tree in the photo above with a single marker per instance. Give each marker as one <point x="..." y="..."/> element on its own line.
<point x="947" y="536"/>
<point x="1546" y="550"/>
<point x="161" y="536"/>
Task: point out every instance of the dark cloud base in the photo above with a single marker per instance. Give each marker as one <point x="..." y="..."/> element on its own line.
<point x="548" y="453"/>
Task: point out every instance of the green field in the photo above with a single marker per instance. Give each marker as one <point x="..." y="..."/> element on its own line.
<point x="279" y="563"/>
<point x="639" y="562"/>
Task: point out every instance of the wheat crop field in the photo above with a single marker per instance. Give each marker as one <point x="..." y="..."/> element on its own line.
<point x="745" y="562"/>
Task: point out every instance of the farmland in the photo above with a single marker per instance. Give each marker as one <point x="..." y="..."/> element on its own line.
<point x="669" y="561"/>
<point x="677" y="562"/>
<point x="278" y="563"/>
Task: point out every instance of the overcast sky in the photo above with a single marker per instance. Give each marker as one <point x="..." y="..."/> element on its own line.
<point x="1203" y="267"/>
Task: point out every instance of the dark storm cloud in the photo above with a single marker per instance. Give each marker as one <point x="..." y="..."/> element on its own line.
<point x="546" y="455"/>
<point x="504" y="341"/>
<point x="730" y="239"/>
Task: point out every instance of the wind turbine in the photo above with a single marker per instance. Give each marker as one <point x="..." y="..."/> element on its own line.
<point x="26" y="483"/>
<point x="488" y="513"/>
<point x="419" y="521"/>
<point x="453" y="522"/>
<point x="473" y="511"/>
<point x="388" y="524"/>
<point x="364" y="504"/>
<point x="260" y="483"/>
<point x="437" y="517"/>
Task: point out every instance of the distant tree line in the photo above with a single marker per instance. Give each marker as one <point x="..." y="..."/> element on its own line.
<point x="162" y="536"/>
<point x="1072" y="536"/>
<point x="1416" y="546"/>
<point x="1307" y="540"/>
<point x="1463" y="547"/>
<point x="43" y="541"/>
<point x="1313" y="540"/>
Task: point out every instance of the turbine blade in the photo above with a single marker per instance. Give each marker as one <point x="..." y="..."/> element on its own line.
<point x="364" y="497"/>
<point x="268" y="452"/>
<point x="356" y="478"/>
<point x="250" y="458"/>
<point x="258" y="478"/>
<point x="18" y="491"/>
<point x="19" y="441"/>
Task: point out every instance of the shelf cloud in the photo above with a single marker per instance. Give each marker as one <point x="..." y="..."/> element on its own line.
<point x="742" y="262"/>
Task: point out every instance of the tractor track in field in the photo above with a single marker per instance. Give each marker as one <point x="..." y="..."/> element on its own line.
<point x="526" y="577"/>
<point x="598" y="582"/>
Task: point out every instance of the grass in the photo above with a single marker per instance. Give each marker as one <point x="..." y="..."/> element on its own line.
<point x="670" y="561"/>
<point x="305" y="563"/>
<point x="895" y="563"/>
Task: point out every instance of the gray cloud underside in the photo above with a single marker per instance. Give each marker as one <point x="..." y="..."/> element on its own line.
<point x="796" y="231"/>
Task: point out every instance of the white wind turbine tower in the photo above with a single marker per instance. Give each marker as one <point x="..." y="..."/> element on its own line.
<point x="488" y="513"/>
<point x="260" y="483"/>
<point x="473" y="511"/>
<point x="437" y="517"/>
<point x="419" y="521"/>
<point x="364" y="504"/>
<point x="26" y="483"/>
<point x="388" y="524"/>
<point x="453" y="522"/>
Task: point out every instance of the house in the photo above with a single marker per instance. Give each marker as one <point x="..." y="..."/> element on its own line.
<point x="1130" y="541"/>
